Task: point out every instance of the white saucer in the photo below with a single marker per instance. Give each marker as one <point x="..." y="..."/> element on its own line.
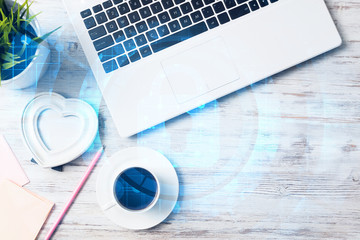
<point x="155" y="163"/>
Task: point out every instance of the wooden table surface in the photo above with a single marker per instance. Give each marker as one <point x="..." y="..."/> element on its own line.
<point x="277" y="160"/>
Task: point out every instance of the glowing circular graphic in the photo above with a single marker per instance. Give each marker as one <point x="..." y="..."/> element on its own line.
<point x="135" y="188"/>
<point x="223" y="149"/>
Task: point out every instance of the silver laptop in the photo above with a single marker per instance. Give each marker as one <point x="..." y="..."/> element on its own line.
<point x="154" y="60"/>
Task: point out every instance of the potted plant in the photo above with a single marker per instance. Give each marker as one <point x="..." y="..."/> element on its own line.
<point x="23" y="51"/>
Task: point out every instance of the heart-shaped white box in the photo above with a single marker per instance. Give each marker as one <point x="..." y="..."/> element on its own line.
<point x="58" y="130"/>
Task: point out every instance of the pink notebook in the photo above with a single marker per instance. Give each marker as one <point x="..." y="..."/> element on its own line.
<point x="9" y="166"/>
<point x="23" y="213"/>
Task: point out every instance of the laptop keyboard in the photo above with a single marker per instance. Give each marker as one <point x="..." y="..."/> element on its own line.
<point x="125" y="31"/>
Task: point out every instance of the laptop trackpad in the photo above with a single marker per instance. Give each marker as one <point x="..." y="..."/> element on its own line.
<point x="200" y="70"/>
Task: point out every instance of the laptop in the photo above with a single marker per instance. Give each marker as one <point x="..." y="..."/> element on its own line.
<point x="156" y="59"/>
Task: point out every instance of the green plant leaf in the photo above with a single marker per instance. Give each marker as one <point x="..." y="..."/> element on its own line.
<point x="43" y="37"/>
<point x="14" y="20"/>
<point x="11" y="64"/>
<point x="4" y="7"/>
<point x="8" y="57"/>
<point x="26" y="11"/>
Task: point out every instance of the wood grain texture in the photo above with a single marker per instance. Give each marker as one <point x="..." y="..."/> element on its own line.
<point x="277" y="160"/>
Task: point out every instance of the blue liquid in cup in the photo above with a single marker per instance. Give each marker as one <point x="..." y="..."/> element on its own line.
<point x="135" y="188"/>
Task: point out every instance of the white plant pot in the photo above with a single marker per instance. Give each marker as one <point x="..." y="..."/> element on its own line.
<point x="36" y="69"/>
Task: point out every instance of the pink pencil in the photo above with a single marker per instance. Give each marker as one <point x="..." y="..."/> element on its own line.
<point x="75" y="193"/>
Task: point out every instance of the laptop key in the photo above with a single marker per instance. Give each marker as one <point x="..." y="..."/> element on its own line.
<point x="129" y="45"/>
<point x="111" y="26"/>
<point x="117" y="1"/>
<point x="167" y="3"/>
<point x="207" y="12"/>
<point x="97" y="8"/>
<point x="123" y="60"/>
<point x="145" y="51"/>
<point x="110" y="53"/>
<point x="174" y="26"/>
<point x="107" y="4"/>
<point x="254" y="5"/>
<point x="146" y="2"/>
<point x="219" y="7"/>
<point x="122" y="21"/>
<point x="223" y="18"/>
<point x="130" y="31"/>
<point x="185" y="21"/>
<point x="134" y="56"/>
<point x="153" y="22"/>
<point x="164" y="17"/>
<point x="156" y="7"/>
<point x="97" y="32"/>
<point x="241" y="1"/>
<point x="212" y="23"/>
<point x="273" y="1"/>
<point x="90" y="22"/>
<point x="145" y="12"/>
<point x="175" y="12"/>
<point x="196" y="16"/>
<point x="119" y="36"/>
<point x="239" y="11"/>
<point x="163" y="30"/>
<point x="103" y="43"/>
<point x="124" y="8"/>
<point x="177" y="2"/>
<point x="110" y="66"/>
<point x="141" y="27"/>
<point x="207" y="2"/>
<point x="197" y="4"/>
<point x="179" y="37"/>
<point x="134" y="17"/>
<point x="151" y="35"/>
<point x="230" y="3"/>
<point x="140" y="40"/>
<point x="263" y="3"/>
<point x="101" y="18"/>
<point x="112" y="13"/>
<point x="186" y="8"/>
<point x="86" y="13"/>
<point x="134" y="4"/>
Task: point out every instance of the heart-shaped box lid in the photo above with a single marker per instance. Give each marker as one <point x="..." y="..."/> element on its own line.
<point x="58" y="130"/>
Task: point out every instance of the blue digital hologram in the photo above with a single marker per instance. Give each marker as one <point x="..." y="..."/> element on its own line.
<point x="200" y="148"/>
<point x="18" y="42"/>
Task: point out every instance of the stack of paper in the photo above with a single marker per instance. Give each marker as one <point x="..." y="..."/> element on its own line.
<point x="9" y="165"/>
<point x="22" y="213"/>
